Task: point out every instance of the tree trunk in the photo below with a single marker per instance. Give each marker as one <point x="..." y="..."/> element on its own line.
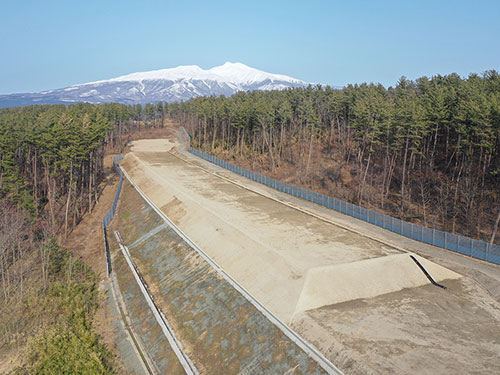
<point x="495" y="228"/>
<point x="404" y="173"/>
<point x="214" y="135"/>
<point x="90" y="186"/>
<point x="269" y="147"/>
<point x="364" y="178"/>
<point x="68" y="200"/>
<point x="50" y="198"/>
<point x="332" y="132"/>
<point x="310" y="153"/>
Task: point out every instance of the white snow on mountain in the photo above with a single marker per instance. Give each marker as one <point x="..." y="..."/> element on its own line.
<point x="240" y="73"/>
<point x="235" y="73"/>
<point x="167" y="85"/>
<point x="172" y="74"/>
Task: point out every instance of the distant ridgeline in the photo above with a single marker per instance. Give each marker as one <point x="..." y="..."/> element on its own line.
<point x="164" y="85"/>
<point x="425" y="151"/>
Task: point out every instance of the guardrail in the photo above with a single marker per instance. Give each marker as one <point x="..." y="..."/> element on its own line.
<point x="109" y="215"/>
<point x="459" y="244"/>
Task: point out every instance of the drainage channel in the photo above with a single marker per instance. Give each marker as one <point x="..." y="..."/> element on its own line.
<point x="175" y="344"/>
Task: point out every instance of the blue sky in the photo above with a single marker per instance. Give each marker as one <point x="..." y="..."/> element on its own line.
<point x="52" y="44"/>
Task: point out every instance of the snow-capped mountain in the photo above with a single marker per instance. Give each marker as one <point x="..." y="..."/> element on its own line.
<point x="167" y="85"/>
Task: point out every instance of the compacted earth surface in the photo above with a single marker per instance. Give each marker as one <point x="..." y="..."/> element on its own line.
<point x="347" y="287"/>
<point x="218" y="328"/>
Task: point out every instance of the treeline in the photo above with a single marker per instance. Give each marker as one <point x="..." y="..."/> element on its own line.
<point x="51" y="157"/>
<point x="426" y="151"/>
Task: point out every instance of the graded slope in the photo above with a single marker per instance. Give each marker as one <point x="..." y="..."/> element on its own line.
<point x="369" y="278"/>
<point x="221" y="331"/>
<point x="266" y="246"/>
<point x="270" y="248"/>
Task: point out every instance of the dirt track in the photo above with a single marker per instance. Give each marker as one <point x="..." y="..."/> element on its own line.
<point x="269" y="248"/>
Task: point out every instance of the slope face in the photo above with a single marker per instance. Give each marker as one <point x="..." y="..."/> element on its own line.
<point x="221" y="331"/>
<point x="166" y="85"/>
<point x="368" y="278"/>
<point x="267" y="246"/>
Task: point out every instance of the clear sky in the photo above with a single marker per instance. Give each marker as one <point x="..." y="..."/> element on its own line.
<point x="51" y="44"/>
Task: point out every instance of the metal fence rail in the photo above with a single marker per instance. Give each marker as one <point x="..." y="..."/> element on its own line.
<point x="463" y="245"/>
<point x="109" y="215"/>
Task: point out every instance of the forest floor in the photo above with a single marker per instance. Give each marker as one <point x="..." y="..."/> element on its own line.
<point x="272" y="244"/>
<point x="86" y="241"/>
<point x="329" y="174"/>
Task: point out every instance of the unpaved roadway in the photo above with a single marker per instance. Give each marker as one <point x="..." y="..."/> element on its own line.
<point x="266" y="246"/>
<point x="396" y="324"/>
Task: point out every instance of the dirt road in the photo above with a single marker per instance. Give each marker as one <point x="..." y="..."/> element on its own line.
<point x="273" y="249"/>
<point x="268" y="247"/>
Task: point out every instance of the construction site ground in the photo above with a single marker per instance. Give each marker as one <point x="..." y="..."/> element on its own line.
<point x="288" y="254"/>
<point x="218" y="328"/>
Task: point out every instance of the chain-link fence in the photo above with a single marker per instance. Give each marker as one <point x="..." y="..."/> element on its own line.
<point x="187" y="136"/>
<point x="463" y="245"/>
<point x="109" y="215"/>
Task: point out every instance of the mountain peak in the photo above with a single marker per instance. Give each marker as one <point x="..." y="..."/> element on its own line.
<point x="239" y="72"/>
<point x="237" y="64"/>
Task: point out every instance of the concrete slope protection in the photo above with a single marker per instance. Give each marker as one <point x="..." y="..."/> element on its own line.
<point x="148" y="334"/>
<point x="168" y="332"/>
<point x="219" y="329"/>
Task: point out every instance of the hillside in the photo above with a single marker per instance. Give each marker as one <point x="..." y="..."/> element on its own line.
<point x="52" y="176"/>
<point x="425" y="151"/>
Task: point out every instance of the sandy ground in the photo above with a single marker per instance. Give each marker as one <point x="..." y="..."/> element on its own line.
<point x="423" y="330"/>
<point x="272" y="249"/>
